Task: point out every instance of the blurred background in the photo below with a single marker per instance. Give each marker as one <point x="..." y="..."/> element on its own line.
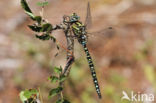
<point x="124" y="61"/>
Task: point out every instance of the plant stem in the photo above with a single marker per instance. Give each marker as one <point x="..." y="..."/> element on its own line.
<point x="70" y="52"/>
<point x="40" y="95"/>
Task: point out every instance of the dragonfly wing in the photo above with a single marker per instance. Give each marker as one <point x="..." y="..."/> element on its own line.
<point x="88" y="21"/>
<point x="105" y="33"/>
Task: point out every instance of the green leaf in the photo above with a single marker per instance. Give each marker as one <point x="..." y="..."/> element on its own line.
<point x="30" y="14"/>
<point x="27" y="9"/>
<point x="35" y="28"/>
<point x="28" y="94"/>
<point x="43" y="37"/>
<point x="22" y="97"/>
<point x="55" y="91"/>
<point x="25" y="6"/>
<point x="46" y="27"/>
<point x="62" y="78"/>
<point x="42" y="3"/>
<point x="38" y="19"/>
<point x="33" y="91"/>
<point x="57" y="70"/>
<point x="53" y="79"/>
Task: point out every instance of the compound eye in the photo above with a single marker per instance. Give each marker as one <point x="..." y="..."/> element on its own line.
<point x="66" y="18"/>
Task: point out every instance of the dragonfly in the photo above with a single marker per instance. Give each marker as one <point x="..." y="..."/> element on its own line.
<point x="79" y="31"/>
<point x="77" y="28"/>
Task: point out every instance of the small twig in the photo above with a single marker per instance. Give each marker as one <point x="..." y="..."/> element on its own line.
<point x="42" y="12"/>
<point x="70" y="52"/>
<point x="68" y="65"/>
<point x="41" y="98"/>
<point x="70" y="47"/>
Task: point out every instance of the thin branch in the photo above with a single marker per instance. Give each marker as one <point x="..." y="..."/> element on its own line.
<point x="70" y="56"/>
<point x="70" y="47"/>
<point x="70" y="51"/>
<point x="41" y="98"/>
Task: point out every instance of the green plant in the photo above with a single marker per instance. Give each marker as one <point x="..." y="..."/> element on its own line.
<point x="29" y="96"/>
<point x="43" y="30"/>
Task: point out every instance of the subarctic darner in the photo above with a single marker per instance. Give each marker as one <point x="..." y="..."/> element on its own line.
<point x="79" y="31"/>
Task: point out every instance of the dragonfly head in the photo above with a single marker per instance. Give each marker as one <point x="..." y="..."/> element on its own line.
<point x="74" y="17"/>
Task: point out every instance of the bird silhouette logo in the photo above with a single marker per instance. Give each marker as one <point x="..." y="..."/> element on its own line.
<point x="125" y="96"/>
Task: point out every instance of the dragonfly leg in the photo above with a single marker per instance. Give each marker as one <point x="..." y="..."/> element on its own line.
<point x="68" y="65"/>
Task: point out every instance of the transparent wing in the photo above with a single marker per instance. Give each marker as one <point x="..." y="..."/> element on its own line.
<point x="104" y="33"/>
<point x="102" y="37"/>
<point x="88" y="21"/>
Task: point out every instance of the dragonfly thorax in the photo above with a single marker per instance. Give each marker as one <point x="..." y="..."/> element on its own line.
<point x="80" y="32"/>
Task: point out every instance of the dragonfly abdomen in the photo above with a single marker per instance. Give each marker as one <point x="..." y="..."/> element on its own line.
<point x="92" y="69"/>
<point x="80" y="32"/>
